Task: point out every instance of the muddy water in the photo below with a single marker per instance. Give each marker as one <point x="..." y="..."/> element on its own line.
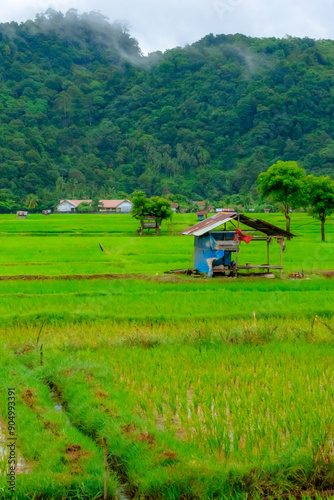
<point x="22" y="466"/>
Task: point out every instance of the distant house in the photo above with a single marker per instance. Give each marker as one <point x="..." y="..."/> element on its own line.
<point x="116" y="206"/>
<point x="174" y="207"/>
<point x="266" y="210"/>
<point x="66" y="206"/>
<point x="202" y="214"/>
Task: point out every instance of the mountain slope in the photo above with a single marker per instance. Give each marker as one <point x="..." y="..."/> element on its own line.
<point x="84" y="114"/>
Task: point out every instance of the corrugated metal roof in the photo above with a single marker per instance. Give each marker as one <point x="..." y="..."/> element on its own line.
<point x="264" y="227"/>
<point x="102" y="203"/>
<point x="208" y="224"/>
<point x="76" y="203"/>
<point x="217" y="220"/>
<point x="111" y="203"/>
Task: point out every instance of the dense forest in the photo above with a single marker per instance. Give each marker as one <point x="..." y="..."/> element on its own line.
<point x="85" y="115"/>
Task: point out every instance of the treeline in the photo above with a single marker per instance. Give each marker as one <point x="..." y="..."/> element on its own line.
<point x="85" y="115"/>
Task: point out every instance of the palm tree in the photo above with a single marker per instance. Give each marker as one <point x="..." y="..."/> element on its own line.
<point x="32" y="201"/>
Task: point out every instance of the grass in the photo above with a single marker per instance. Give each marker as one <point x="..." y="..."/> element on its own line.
<point x="126" y="252"/>
<point x="62" y="302"/>
<point x="204" y="388"/>
<point x="234" y="412"/>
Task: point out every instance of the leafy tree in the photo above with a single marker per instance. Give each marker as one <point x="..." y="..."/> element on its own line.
<point x="284" y="182"/>
<point x="7" y="201"/>
<point x="139" y="206"/>
<point x="320" y="192"/>
<point x="84" y="207"/>
<point x="155" y="207"/>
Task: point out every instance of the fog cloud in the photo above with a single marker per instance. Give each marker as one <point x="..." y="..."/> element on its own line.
<point x="159" y="25"/>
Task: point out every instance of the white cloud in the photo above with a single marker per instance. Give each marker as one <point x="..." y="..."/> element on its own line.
<point x="158" y="24"/>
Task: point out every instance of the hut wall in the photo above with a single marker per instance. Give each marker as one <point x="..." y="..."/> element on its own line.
<point x="205" y="248"/>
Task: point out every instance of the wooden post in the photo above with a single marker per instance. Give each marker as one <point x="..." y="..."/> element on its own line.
<point x="281" y="270"/>
<point x="268" y="243"/>
<point x="105" y="469"/>
<point x="236" y="263"/>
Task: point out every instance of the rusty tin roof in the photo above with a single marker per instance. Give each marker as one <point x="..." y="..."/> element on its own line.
<point x="222" y="217"/>
<point x="208" y="224"/>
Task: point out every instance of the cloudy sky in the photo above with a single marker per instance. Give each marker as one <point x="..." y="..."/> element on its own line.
<point x="163" y="24"/>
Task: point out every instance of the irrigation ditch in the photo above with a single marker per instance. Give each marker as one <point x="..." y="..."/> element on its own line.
<point x="113" y="461"/>
<point x="75" y="452"/>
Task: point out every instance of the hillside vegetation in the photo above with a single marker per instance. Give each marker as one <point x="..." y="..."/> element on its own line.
<point x="85" y="114"/>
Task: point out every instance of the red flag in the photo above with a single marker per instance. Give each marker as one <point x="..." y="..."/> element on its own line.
<point x="244" y="237"/>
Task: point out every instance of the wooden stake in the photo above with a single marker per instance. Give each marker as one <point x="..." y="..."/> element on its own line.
<point x="40" y="331"/>
<point x="105" y="468"/>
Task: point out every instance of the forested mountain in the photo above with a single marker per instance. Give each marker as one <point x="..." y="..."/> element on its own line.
<point x="84" y="114"/>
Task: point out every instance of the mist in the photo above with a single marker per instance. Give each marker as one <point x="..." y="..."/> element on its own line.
<point x="159" y="25"/>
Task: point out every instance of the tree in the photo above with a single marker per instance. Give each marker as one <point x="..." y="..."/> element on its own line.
<point x="7" y="201"/>
<point x="154" y="207"/>
<point x="84" y="207"/>
<point x="96" y="204"/>
<point x="32" y="201"/>
<point x="320" y="191"/>
<point x="284" y="182"/>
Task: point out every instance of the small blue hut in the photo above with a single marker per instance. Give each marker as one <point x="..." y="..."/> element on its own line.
<point x="217" y="250"/>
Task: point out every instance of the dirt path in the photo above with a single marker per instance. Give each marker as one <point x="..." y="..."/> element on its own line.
<point x="39" y="277"/>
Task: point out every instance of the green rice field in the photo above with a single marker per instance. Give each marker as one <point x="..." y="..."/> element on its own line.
<point x="147" y="385"/>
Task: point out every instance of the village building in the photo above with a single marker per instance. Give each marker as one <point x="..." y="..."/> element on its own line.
<point x="115" y="206"/>
<point x="67" y="206"/>
<point x="174" y="207"/>
<point x="202" y="214"/>
<point x="217" y="246"/>
<point x="105" y="206"/>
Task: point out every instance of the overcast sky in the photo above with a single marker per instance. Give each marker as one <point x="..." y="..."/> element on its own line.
<point x="163" y="24"/>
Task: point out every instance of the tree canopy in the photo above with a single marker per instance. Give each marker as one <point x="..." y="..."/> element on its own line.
<point x="321" y="199"/>
<point x="85" y="115"/>
<point x="154" y="207"/>
<point x="284" y="182"/>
